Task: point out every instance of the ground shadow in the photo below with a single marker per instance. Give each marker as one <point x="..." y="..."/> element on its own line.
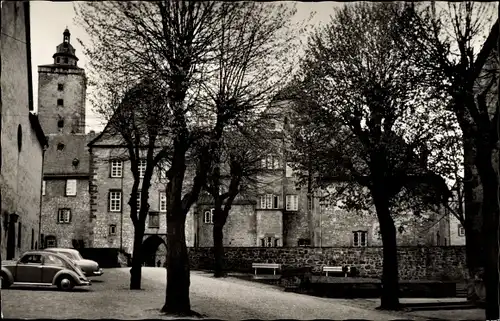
<point x="36" y="288"/>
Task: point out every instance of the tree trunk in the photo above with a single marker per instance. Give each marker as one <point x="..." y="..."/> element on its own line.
<point x="177" y="293"/>
<point x="490" y="212"/>
<point x="219" y="270"/>
<point x="390" y="285"/>
<point x="473" y="222"/>
<point x="137" y="259"/>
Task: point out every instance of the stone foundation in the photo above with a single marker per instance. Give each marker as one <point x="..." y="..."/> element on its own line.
<point x="415" y="263"/>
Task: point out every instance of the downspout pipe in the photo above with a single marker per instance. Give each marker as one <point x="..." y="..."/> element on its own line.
<point x="41" y="200"/>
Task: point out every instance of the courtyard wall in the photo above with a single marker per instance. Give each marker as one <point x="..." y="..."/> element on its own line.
<point x="445" y="263"/>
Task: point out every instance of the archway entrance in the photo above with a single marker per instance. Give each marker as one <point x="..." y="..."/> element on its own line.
<point x="154" y="251"/>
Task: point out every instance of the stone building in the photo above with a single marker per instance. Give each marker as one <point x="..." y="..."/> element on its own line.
<point x="61" y="104"/>
<point x="22" y="138"/>
<point x="110" y="189"/>
<point x="279" y="214"/>
<point x="282" y="214"/>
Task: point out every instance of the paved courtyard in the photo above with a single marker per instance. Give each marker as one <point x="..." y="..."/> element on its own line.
<point x="230" y="298"/>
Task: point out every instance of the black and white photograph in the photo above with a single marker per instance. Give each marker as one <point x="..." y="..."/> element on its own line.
<point x="250" y="160"/>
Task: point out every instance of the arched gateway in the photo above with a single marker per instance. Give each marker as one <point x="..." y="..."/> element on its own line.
<point x="154" y="250"/>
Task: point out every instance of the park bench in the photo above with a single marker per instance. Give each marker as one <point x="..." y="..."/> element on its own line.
<point x="273" y="266"/>
<point x="336" y="269"/>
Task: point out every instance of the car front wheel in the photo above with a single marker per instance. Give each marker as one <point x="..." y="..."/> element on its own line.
<point x="5" y="281"/>
<point x="65" y="283"/>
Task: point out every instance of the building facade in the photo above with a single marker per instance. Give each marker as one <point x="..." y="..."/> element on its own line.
<point x="62" y="87"/>
<point x="22" y="138"/>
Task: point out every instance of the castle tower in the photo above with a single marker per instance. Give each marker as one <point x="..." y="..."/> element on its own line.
<point x="61" y="92"/>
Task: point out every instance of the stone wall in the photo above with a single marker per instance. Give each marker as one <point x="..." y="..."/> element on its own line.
<point x="102" y="218"/>
<point x="415" y="263"/>
<point x="54" y="199"/>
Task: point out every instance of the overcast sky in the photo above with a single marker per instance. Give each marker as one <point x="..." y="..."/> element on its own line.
<point x="49" y="19"/>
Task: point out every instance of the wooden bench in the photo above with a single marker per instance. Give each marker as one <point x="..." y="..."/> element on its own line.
<point x="336" y="269"/>
<point x="273" y="266"/>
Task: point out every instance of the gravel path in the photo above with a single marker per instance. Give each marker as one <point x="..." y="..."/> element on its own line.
<point x="231" y="298"/>
<point x="236" y="299"/>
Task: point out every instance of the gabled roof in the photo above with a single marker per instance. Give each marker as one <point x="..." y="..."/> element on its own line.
<point x="35" y="125"/>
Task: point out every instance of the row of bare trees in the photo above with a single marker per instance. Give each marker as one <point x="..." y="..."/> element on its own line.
<point x="386" y="99"/>
<point x="163" y="68"/>
<point x="394" y="102"/>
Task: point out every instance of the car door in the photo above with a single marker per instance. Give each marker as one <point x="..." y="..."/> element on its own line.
<point x="29" y="269"/>
<point x="51" y="265"/>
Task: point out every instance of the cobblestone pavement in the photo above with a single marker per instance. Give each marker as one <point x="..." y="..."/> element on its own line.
<point x="237" y="299"/>
<point x="229" y="298"/>
<point x="108" y="297"/>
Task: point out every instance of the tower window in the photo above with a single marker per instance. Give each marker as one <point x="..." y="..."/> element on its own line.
<point x="60" y="87"/>
<point x="65" y="60"/>
<point x="58" y="60"/>
<point x="60" y="102"/>
<point x="60" y="123"/>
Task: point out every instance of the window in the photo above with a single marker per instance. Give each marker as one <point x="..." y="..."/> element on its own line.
<point x="304" y="242"/>
<point x="115" y="201"/>
<point x="19" y="138"/>
<point x="112" y="229"/>
<point x="32" y="239"/>
<point x="32" y="259"/>
<point x="269" y="242"/>
<point x="60" y="102"/>
<point x="271" y="162"/>
<point x="64" y="215"/>
<point x="60" y="87"/>
<point x="65" y="60"/>
<point x="50" y="241"/>
<point x="71" y="187"/>
<point x="19" y="235"/>
<point x="58" y="60"/>
<point x="154" y="220"/>
<point x="60" y="146"/>
<point x="269" y="201"/>
<point x="289" y="170"/>
<point x="461" y="230"/>
<point x="53" y="260"/>
<point x="60" y="124"/>
<point x="142" y="167"/>
<point x="163" y="202"/>
<point x="292" y="202"/>
<point x="116" y="168"/>
<point x="359" y="238"/>
<point x="310" y="202"/>
<point x="44" y="186"/>
<point x="208" y="216"/>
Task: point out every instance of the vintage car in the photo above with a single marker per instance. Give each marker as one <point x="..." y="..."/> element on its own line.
<point x="89" y="267"/>
<point x="42" y="268"/>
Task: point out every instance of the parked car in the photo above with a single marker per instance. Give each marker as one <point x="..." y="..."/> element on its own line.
<point x="89" y="267"/>
<point x="42" y="268"/>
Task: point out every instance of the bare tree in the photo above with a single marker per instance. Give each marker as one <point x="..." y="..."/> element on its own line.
<point x="364" y="127"/>
<point x="445" y="40"/>
<point x="235" y="173"/>
<point x="183" y="46"/>
<point x="136" y="123"/>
